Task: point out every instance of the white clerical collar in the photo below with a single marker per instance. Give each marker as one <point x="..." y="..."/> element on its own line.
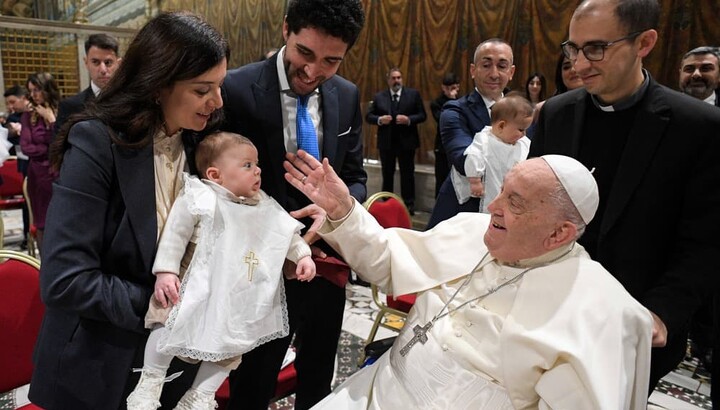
<point x="95" y="89"/>
<point x="628" y="102"/>
<point x="282" y="75"/>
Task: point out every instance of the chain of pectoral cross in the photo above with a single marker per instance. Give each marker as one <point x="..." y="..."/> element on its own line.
<point x="421" y="331"/>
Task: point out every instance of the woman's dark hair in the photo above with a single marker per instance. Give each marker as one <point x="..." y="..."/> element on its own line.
<point x="560" y="86"/>
<point x="171" y="47"/>
<point x="543" y="86"/>
<point x="47" y="85"/>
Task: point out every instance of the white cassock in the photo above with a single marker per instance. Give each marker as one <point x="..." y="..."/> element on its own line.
<point x="566" y="335"/>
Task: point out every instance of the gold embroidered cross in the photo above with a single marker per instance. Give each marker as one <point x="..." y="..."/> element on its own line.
<point x="252" y="263"/>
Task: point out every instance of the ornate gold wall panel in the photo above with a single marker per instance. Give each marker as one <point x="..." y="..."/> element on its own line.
<point x="26" y="52"/>
<point x="251" y="26"/>
<point x="29" y="45"/>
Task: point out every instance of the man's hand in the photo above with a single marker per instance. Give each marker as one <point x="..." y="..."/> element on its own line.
<point x="402" y="119"/>
<point x="319" y="182"/>
<point x="659" y="332"/>
<point x="167" y="286"/>
<point x="15" y="128"/>
<point x="385" y="120"/>
<point x="318" y="216"/>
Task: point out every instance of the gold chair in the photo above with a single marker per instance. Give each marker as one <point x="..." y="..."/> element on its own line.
<point x="32" y="230"/>
<point x="390" y="212"/>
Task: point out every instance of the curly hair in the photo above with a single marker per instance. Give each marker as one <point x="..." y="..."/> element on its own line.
<point x="339" y="18"/>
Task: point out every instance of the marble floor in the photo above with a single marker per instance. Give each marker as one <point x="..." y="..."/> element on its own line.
<point x="686" y="388"/>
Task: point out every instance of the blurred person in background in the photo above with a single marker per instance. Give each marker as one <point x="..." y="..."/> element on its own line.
<point x="38" y="124"/>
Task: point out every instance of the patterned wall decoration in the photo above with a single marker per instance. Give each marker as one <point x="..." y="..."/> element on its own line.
<point x="430" y="37"/>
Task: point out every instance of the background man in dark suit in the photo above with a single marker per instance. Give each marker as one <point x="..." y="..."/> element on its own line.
<point x="700" y="74"/>
<point x="491" y="70"/>
<point x="102" y="58"/>
<point x="654" y="155"/>
<point x="450" y="89"/>
<point x="397" y="112"/>
<point x="262" y="102"/>
<point x="16" y="100"/>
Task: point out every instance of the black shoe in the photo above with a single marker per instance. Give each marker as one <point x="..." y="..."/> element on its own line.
<point x="411" y="210"/>
<point x="358" y="281"/>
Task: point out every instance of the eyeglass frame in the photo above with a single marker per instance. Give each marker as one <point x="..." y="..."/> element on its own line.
<point x="602" y="46"/>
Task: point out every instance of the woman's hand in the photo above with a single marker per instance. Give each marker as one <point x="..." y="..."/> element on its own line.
<point x="319" y="182"/>
<point x="46" y="112"/>
<point x="167" y="287"/>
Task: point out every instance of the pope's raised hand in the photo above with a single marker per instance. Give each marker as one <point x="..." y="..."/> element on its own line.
<point x="319" y="182"/>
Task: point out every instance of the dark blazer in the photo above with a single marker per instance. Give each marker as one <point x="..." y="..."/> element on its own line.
<point x="72" y="105"/>
<point x="394" y="136"/>
<point x="255" y="112"/>
<point x="96" y="280"/>
<point x="659" y="229"/>
<point x="460" y="120"/>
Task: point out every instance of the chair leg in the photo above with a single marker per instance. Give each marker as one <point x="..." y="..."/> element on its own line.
<point x="371" y="336"/>
<point x="31" y="246"/>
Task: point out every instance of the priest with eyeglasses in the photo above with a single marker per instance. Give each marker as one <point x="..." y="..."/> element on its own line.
<point x="511" y="312"/>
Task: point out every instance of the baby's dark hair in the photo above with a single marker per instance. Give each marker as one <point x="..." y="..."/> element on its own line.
<point x="212" y="146"/>
<point x="513" y="106"/>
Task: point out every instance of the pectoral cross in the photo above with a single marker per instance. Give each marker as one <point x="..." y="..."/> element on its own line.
<point x="252" y="263"/>
<point x="420" y="336"/>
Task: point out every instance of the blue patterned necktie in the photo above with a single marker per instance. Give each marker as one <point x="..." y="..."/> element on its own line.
<point x="306" y="135"/>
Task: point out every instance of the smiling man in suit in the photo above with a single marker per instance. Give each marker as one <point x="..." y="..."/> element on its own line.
<point x="294" y="100"/>
<point x="397" y="112"/>
<point x="654" y="155"/>
<point x="491" y="70"/>
<point x="102" y="58"/>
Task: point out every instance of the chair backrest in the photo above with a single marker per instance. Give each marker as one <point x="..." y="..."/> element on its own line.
<point x="389" y="210"/>
<point x="21" y="312"/>
<point x="12" y="179"/>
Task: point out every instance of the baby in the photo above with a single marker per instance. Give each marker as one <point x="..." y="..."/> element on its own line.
<point x="218" y="290"/>
<point x="495" y="150"/>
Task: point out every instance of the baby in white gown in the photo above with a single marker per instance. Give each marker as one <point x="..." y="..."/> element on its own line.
<point x="494" y="150"/>
<point x="219" y="290"/>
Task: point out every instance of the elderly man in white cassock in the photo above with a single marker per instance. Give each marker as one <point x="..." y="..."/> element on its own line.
<point x="511" y="312"/>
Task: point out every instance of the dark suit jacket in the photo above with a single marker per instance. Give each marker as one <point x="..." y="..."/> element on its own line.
<point x="253" y="110"/>
<point x="436" y="107"/>
<point x="96" y="280"/>
<point x="659" y="230"/>
<point x="72" y="105"/>
<point x="395" y="136"/>
<point x="459" y="121"/>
